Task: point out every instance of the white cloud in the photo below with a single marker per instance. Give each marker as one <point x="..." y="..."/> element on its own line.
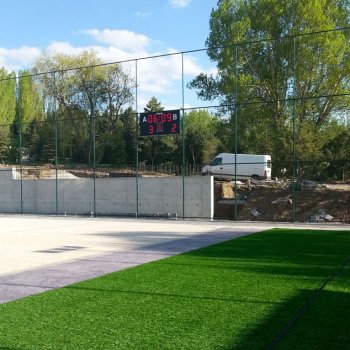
<point x="108" y="54"/>
<point x="158" y="76"/>
<point x="18" y="58"/>
<point x="179" y="3"/>
<point x="64" y="47"/>
<point x="212" y="71"/>
<point x="143" y="14"/>
<point x="122" y="39"/>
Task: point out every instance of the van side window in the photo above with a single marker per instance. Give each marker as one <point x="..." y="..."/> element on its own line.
<point x="216" y="161"/>
<point x="269" y="164"/>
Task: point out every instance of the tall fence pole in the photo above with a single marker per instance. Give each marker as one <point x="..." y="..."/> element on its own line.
<point x="93" y="115"/>
<point x="137" y="141"/>
<point x="235" y="128"/>
<point x="294" y="132"/>
<point x="183" y="136"/>
<point x="19" y="116"/>
<point x="56" y="141"/>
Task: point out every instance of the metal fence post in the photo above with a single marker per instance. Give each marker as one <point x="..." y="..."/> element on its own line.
<point x="137" y="142"/>
<point x="56" y="140"/>
<point x="294" y="133"/>
<point x="183" y="136"/>
<point x="235" y="128"/>
<point x="93" y="115"/>
<point x="17" y="87"/>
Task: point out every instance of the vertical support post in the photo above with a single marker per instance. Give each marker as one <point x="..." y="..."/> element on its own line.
<point x="294" y="132"/>
<point x="235" y="129"/>
<point x="20" y="143"/>
<point x="94" y="133"/>
<point x="20" y="162"/>
<point x="56" y="140"/>
<point x="137" y="141"/>
<point x="183" y="136"/>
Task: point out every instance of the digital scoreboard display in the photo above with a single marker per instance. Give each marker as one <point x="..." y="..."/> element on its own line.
<point x="160" y="123"/>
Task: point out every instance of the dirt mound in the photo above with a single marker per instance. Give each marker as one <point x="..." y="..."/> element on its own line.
<point x="273" y="201"/>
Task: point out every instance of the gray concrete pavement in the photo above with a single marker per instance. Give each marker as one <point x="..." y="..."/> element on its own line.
<point x="39" y="253"/>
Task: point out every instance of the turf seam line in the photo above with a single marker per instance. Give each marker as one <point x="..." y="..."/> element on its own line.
<point x="307" y="304"/>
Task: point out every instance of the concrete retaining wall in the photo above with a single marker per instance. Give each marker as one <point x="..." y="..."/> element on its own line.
<point x="113" y="196"/>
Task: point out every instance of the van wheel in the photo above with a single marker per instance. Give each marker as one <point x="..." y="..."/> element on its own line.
<point x="255" y="177"/>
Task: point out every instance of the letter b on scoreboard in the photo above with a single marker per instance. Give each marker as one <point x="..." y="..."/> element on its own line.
<point x="160" y="123"/>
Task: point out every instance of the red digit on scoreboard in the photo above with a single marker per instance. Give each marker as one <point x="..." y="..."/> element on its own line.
<point x="160" y="123"/>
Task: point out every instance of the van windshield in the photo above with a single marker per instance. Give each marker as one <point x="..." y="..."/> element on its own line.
<point x="216" y="161"/>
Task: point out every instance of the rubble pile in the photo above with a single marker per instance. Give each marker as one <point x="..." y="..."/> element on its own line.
<point x="321" y="216"/>
<point x="273" y="201"/>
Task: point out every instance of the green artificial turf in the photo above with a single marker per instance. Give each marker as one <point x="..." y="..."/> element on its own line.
<point x="238" y="294"/>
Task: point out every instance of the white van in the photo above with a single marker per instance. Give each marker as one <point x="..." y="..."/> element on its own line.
<point x="256" y="166"/>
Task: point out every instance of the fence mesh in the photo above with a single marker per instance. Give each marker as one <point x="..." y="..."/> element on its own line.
<point x="70" y="141"/>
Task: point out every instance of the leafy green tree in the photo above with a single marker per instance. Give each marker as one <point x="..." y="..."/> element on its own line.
<point x="30" y="113"/>
<point x="73" y="91"/>
<point x="39" y="140"/>
<point x="336" y="153"/>
<point x="111" y="147"/>
<point x="128" y="120"/>
<point x="5" y="144"/>
<point x="202" y="142"/>
<point x="153" y="105"/>
<point x="265" y="74"/>
<point x="30" y="105"/>
<point x="84" y="94"/>
<point x="7" y="111"/>
<point x="7" y="97"/>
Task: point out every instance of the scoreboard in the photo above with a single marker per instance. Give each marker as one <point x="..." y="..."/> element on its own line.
<point x="160" y="123"/>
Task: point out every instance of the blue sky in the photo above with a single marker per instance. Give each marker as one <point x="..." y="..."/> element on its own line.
<point x="117" y="30"/>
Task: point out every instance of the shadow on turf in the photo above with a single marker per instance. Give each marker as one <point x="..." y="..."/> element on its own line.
<point x="167" y="295"/>
<point x="323" y="323"/>
<point x="295" y="246"/>
<point x="279" y="246"/>
<point x="176" y="245"/>
<point x="311" y="319"/>
<point x="305" y="321"/>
